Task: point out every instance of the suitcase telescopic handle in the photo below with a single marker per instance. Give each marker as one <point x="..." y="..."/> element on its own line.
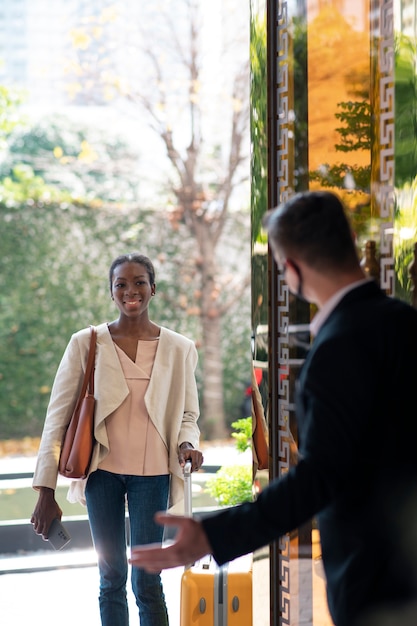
<point x="188" y="511"/>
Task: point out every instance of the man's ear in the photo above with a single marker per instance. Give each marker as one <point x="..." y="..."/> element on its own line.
<point x="293" y="265"/>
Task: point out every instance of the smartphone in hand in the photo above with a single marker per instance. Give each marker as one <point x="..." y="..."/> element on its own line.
<point x="58" y="536"/>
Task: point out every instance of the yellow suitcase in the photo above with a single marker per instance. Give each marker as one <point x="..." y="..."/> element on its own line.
<point x="217" y="596"/>
<point x="213" y="595"/>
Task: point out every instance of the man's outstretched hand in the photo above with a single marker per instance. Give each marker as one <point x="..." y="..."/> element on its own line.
<point x="190" y="544"/>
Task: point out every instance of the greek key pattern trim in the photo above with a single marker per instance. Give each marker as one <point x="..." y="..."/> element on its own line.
<point x="385" y="194"/>
<point x="283" y="192"/>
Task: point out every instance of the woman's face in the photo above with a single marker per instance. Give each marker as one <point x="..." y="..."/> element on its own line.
<point x="131" y="288"/>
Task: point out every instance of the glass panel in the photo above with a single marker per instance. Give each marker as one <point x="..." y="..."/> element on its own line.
<point x="342" y="98"/>
<point x="259" y="252"/>
<point x="331" y="95"/>
<point x="405" y="223"/>
<point x="339" y="159"/>
<point x="291" y="565"/>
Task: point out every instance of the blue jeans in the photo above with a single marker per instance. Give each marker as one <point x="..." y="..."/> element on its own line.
<point x="106" y="495"/>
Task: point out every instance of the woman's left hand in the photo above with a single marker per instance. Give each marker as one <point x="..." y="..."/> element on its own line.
<point x="188" y="453"/>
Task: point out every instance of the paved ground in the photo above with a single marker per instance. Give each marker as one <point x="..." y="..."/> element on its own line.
<point x="66" y="593"/>
<point x="65" y="596"/>
<point x="50" y="588"/>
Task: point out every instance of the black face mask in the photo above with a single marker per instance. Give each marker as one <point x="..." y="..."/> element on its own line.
<point x="299" y="293"/>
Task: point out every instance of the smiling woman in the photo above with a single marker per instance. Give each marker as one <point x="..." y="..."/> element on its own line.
<point x="132" y="284"/>
<point x="145" y="430"/>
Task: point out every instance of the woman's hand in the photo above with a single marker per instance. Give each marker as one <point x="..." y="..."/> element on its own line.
<point x="46" y="510"/>
<point x="188" y="453"/>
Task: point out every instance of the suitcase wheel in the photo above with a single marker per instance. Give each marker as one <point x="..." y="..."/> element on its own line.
<point x="202" y="605"/>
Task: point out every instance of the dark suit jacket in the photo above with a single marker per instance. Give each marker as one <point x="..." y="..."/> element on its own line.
<point x="356" y="410"/>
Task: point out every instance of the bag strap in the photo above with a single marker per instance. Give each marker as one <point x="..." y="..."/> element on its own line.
<point x="91" y="360"/>
<point x="88" y="382"/>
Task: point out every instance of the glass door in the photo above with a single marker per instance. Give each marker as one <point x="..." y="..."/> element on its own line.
<point x="340" y="114"/>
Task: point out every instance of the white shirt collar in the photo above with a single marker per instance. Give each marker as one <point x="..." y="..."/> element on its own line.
<point x="320" y="317"/>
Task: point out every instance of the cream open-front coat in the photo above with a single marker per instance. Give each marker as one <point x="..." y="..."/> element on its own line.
<point x="171" y="400"/>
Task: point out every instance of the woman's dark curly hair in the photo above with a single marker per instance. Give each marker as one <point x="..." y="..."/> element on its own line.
<point x="133" y="257"/>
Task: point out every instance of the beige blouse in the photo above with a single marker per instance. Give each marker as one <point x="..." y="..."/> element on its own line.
<point x="136" y="447"/>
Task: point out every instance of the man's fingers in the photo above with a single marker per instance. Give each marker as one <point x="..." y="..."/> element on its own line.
<point x="165" y="519"/>
<point x="190" y="544"/>
<point x="152" y="557"/>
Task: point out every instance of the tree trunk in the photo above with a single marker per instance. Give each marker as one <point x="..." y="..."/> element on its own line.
<point x="212" y="421"/>
<point x="213" y="416"/>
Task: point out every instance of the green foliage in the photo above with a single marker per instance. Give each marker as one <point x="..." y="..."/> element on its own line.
<point x="243" y="435"/>
<point x="405" y="143"/>
<point x="53" y="281"/>
<point x="405" y="146"/>
<point x="356" y="116"/>
<point x="10" y="118"/>
<point x="70" y="241"/>
<point x="335" y="175"/>
<point x="404" y="256"/>
<point x="300" y="128"/>
<point x="259" y="159"/>
<point x="236" y="361"/>
<point x="81" y="160"/>
<point x="231" y="485"/>
<point x="58" y="251"/>
<point x="258" y="121"/>
<point x="406" y="232"/>
<point x="356" y="134"/>
<point x="23" y="186"/>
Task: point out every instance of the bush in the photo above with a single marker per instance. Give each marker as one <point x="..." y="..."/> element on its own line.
<point x="231" y="485"/>
<point x="243" y="434"/>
